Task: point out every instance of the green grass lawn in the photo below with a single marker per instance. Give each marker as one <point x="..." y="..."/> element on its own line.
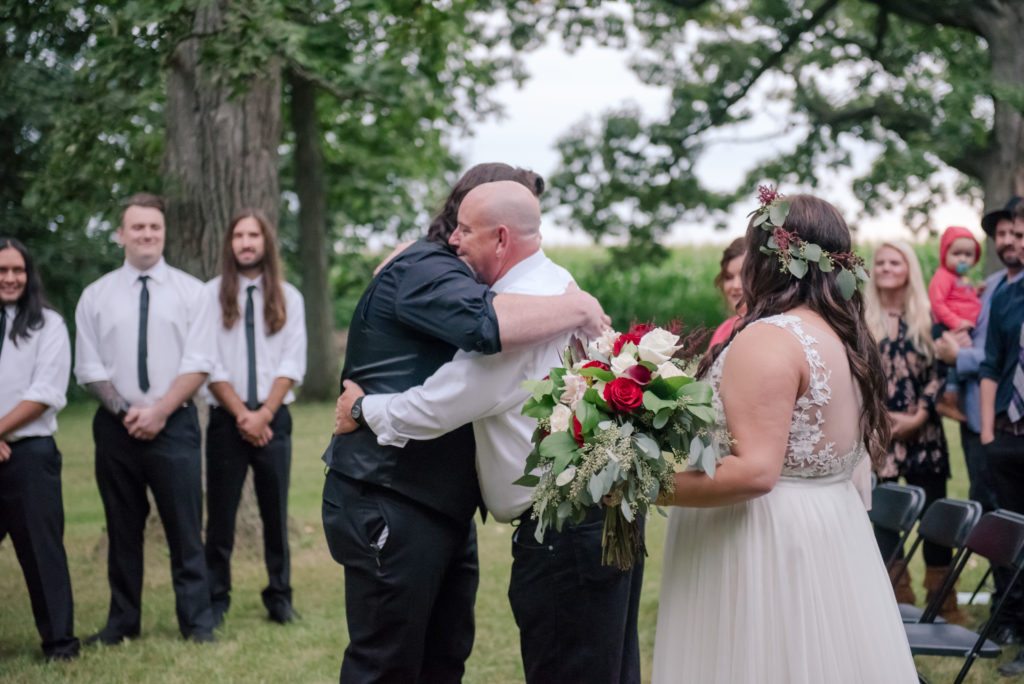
<point x="252" y="649"/>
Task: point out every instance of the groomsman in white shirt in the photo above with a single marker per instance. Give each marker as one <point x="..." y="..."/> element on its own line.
<point x="138" y="351"/>
<point x="35" y="361"/>
<point x="258" y="322"/>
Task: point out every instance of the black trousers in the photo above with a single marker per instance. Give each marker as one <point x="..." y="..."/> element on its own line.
<point x="982" y="489"/>
<point x="1006" y="468"/>
<point x="934" y="487"/>
<point x="577" y="618"/>
<point x="228" y="459"/>
<point x="411" y="576"/>
<point x="170" y="465"/>
<point x="32" y="512"/>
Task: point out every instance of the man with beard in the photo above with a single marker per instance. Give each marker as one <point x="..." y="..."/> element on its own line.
<point x="258" y="323"/>
<point x="998" y="225"/>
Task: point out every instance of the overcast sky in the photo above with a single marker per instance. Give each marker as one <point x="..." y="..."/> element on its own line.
<point x="564" y="89"/>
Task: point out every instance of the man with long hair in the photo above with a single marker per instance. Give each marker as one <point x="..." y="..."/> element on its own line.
<point x="401" y="520"/>
<point x="35" y="362"/>
<point x="259" y="326"/>
<point x="139" y="352"/>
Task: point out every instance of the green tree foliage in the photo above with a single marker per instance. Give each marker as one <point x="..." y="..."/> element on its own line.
<point x="928" y="85"/>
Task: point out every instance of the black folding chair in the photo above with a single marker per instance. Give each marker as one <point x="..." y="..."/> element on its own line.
<point x="999" y="537"/>
<point x="946" y="523"/>
<point x="896" y="508"/>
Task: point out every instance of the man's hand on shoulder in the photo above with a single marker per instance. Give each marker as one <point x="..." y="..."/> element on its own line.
<point x="594" y="319"/>
<point x="343" y="420"/>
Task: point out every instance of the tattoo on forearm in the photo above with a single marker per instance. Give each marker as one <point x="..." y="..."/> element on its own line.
<point x="108" y="396"/>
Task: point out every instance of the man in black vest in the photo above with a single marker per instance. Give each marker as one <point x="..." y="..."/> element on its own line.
<point x="401" y="520"/>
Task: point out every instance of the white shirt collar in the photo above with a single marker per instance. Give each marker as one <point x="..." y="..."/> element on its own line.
<point x="246" y="282"/>
<point x="519" y="271"/>
<point x="157" y="272"/>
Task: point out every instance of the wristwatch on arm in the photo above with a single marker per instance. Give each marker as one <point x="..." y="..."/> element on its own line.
<point x="357" y="412"/>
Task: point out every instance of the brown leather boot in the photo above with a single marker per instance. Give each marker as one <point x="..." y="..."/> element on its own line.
<point x="902" y="589"/>
<point x="949" y="610"/>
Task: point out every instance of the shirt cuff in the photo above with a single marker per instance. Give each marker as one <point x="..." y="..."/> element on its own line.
<point x="87" y="374"/>
<point x="375" y="413"/>
<point x="48" y="396"/>
<point x="291" y="370"/>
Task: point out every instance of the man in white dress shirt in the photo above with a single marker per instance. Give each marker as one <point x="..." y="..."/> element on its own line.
<point x="577" y="618"/>
<point x="138" y="352"/>
<point x="258" y="322"/>
<point x="35" y="361"/>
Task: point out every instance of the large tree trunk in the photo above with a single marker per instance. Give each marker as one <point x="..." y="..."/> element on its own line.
<point x="221" y="156"/>
<point x="322" y="363"/>
<point x="221" y="149"/>
<point x="1003" y="176"/>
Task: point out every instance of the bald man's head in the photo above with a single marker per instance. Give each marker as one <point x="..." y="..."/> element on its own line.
<point x="499" y="226"/>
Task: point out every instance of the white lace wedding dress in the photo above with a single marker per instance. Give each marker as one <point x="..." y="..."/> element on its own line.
<point x="787" y="588"/>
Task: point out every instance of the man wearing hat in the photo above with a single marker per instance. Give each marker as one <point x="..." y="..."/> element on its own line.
<point x="999" y="226"/>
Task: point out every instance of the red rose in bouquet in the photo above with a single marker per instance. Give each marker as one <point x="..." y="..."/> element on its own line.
<point x="623" y="395"/>
<point x="634" y="335"/>
<point x="577" y="431"/>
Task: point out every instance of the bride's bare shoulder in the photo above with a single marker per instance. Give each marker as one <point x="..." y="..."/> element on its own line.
<point x="764" y="349"/>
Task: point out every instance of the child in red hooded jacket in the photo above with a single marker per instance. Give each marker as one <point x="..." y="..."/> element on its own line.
<point x="954" y="300"/>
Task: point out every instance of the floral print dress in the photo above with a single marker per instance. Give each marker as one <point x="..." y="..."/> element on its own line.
<point x="913" y="380"/>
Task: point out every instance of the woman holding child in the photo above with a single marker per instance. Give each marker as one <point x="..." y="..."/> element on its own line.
<point x="897" y="314"/>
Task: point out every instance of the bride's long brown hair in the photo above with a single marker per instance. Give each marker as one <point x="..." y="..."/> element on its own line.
<point x="770" y="290"/>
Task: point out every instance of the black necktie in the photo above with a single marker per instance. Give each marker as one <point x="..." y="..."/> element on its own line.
<point x="3" y="326"/>
<point x="143" y="347"/>
<point x="250" y="347"/>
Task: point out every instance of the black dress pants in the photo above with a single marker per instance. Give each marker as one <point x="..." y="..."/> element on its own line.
<point x="1006" y="470"/>
<point x="228" y="459"/>
<point x="32" y="513"/>
<point x="411" y="576"/>
<point x="577" y="618"/>
<point x="170" y="465"/>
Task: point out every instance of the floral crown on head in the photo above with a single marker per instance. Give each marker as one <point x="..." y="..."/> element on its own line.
<point x="796" y="254"/>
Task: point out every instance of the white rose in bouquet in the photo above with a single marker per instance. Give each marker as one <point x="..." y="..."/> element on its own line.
<point x="622" y="363"/>
<point x="560" y="417"/>
<point x="575" y="388"/>
<point x="669" y="370"/>
<point x="657" y="346"/>
<point x="605" y="344"/>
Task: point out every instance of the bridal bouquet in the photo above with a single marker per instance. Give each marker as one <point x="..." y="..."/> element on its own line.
<point x="613" y="423"/>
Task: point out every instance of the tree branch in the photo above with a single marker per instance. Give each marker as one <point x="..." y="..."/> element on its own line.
<point x="954" y="13"/>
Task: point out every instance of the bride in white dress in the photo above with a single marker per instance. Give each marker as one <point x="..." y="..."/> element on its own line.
<point x="772" y="573"/>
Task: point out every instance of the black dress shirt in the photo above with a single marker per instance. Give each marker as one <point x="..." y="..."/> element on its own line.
<point x="422" y="306"/>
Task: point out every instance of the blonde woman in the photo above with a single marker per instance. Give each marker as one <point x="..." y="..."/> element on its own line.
<point x="898" y="316"/>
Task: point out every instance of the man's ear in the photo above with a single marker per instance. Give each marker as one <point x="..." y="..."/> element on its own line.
<point x="503" y="236"/>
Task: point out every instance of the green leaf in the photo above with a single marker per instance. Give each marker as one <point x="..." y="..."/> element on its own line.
<point x="539" y="408"/>
<point x="627" y="512"/>
<point x="596" y="399"/>
<point x="556" y="376"/>
<point x="538" y="388"/>
<point x="532" y="461"/>
<point x="596" y="487"/>
<point x="761" y="217"/>
<point x="702" y="412"/>
<point x="798" y="267"/>
<point x="772" y="245"/>
<point x="778" y="212"/>
<point x="647" y="446"/>
<point x="599" y="373"/>
<point x="661" y="419"/>
<point x="527" y="481"/>
<point x="587" y="415"/>
<point x="825" y="264"/>
<point x="847" y="283"/>
<point x="653" y="403"/>
<point x="558" y="447"/>
<point x="708" y="461"/>
<point x="697" y="392"/>
<point x="812" y="252"/>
